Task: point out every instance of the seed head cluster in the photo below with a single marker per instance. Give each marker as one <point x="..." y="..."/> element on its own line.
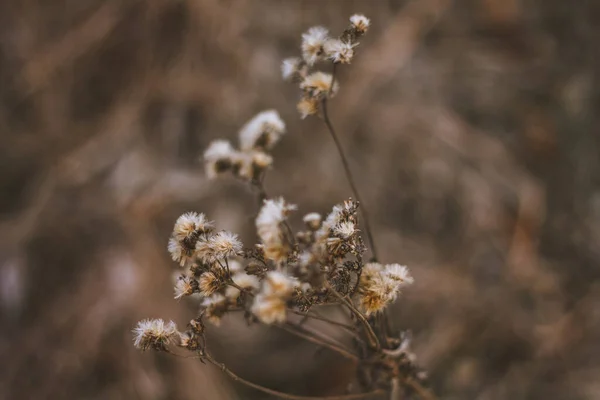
<point x="292" y="267"/>
<point x="318" y="46"/>
<point x="256" y="138"/>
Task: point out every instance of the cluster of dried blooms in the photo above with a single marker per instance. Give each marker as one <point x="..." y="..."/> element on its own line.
<point x="288" y="271"/>
<point x="318" y="45"/>
<point x="257" y="137"/>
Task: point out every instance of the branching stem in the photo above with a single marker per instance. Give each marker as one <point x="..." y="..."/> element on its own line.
<point x="283" y="395"/>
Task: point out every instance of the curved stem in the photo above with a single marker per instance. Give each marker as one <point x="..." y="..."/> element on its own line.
<point x="283" y="395"/>
<point x="320" y="341"/>
<point x="346" y="165"/>
<point x="320" y="318"/>
<point x="370" y="333"/>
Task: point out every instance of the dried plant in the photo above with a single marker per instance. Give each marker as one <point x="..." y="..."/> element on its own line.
<point x="293" y="272"/>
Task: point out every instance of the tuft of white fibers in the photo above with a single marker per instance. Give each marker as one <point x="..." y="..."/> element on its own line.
<point x="268" y="226"/>
<point x="209" y="283"/>
<point x="218" y="157"/>
<point x="312" y="220"/>
<point x="270" y="216"/>
<point x="225" y="244"/>
<point x="370" y="271"/>
<point x="154" y="333"/>
<point x="262" y="131"/>
<point x="290" y="68"/>
<point x="399" y="273"/>
<point x="218" y="247"/>
<point x="377" y="294"/>
<point x="278" y="284"/>
<point x="312" y="44"/>
<point x="184" y="286"/>
<point x="178" y="252"/>
<point x="318" y="84"/>
<point x="360" y="23"/>
<point x="244" y="281"/>
<point x="339" y="51"/>
<point x="189" y="224"/>
<point x="307" y="106"/>
<point x="269" y="309"/>
<point x="345" y="230"/>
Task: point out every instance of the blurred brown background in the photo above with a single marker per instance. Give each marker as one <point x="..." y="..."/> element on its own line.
<point x="472" y="127"/>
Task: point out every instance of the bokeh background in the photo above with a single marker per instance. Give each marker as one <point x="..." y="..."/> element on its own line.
<point x="472" y="127"/>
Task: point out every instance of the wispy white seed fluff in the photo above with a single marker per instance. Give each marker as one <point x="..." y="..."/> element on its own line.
<point x="218" y="247"/>
<point x="184" y="287"/>
<point x="209" y="283"/>
<point x="154" y="333"/>
<point x="290" y="67"/>
<point x="313" y="41"/>
<point x="307" y="106"/>
<point x="360" y="23"/>
<point x="190" y="223"/>
<point x="269" y="309"/>
<point x="399" y="273"/>
<point x="312" y="220"/>
<point x="270" y="216"/>
<point x="318" y="84"/>
<point x="178" y="252"/>
<point x="225" y="244"/>
<point x="339" y="51"/>
<point x="262" y="131"/>
<point x="278" y="284"/>
<point x="217" y="157"/>
<point x="345" y="229"/>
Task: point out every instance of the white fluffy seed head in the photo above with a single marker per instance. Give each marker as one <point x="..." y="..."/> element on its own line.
<point x="290" y="68"/>
<point x="312" y="220"/>
<point x="313" y="41"/>
<point x="307" y="106"/>
<point x="154" y="333"/>
<point x="318" y="84"/>
<point x="190" y="223"/>
<point x="345" y="229"/>
<point x="399" y="273"/>
<point x="262" y="131"/>
<point x="178" y="252"/>
<point x="278" y="284"/>
<point x="271" y="215"/>
<point x="360" y="23"/>
<point x="218" y="247"/>
<point x="218" y="157"/>
<point x="269" y="309"/>
<point x="209" y="283"/>
<point x="339" y="51"/>
<point x="184" y="287"/>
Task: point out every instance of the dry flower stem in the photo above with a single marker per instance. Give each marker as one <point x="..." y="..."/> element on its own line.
<point x="372" y="336"/>
<point x="320" y="318"/>
<point x="349" y="176"/>
<point x="319" y="341"/>
<point x="283" y="395"/>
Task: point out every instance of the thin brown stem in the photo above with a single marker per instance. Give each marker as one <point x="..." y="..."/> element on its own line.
<point x="370" y="333"/>
<point x="283" y="395"/>
<point x="347" y="170"/>
<point x="319" y="341"/>
<point x="423" y="392"/>
<point x="349" y="328"/>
